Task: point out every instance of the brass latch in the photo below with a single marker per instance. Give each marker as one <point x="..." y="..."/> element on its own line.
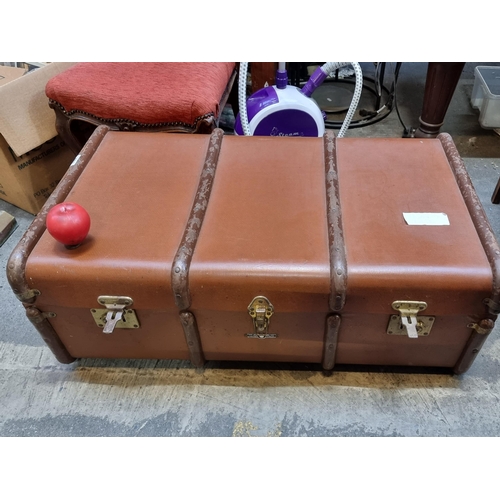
<point x="261" y="310"/>
<point x="115" y="314"/>
<point x="408" y="323"/>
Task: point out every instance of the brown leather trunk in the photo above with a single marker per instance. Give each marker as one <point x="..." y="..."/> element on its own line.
<point x="265" y="249"/>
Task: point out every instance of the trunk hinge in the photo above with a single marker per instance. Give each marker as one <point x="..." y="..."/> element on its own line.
<point x="28" y="294"/>
<point x="493" y="307"/>
<point x="36" y="316"/>
<point x="485" y="326"/>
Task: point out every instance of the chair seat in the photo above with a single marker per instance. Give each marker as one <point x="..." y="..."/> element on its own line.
<point x="147" y="93"/>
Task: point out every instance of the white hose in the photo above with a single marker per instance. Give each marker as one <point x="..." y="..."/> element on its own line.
<point x="242" y="97"/>
<point x="328" y="68"/>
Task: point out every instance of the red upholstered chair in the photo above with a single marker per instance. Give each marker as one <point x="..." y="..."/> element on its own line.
<point x="171" y="97"/>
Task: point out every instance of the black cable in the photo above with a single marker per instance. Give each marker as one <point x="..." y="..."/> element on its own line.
<point x="407" y="131"/>
<point x="375" y="115"/>
<point x="389" y="105"/>
<point x="395" y="85"/>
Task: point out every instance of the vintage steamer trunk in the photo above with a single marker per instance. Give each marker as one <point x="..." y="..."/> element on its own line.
<point x="309" y="250"/>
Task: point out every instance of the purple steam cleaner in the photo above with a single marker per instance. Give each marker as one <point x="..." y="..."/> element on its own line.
<point x="285" y="110"/>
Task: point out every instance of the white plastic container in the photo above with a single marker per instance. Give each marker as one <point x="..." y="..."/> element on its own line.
<point x="486" y="95"/>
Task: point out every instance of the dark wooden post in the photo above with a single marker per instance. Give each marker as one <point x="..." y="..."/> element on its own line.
<point x="495" y="198"/>
<point x="442" y="79"/>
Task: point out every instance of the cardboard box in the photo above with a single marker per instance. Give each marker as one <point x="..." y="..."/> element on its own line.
<point x="8" y="73"/>
<point x="33" y="158"/>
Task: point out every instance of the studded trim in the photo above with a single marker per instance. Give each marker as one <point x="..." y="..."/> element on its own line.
<point x="130" y="123"/>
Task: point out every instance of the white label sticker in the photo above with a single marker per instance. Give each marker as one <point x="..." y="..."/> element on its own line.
<point x="426" y="219"/>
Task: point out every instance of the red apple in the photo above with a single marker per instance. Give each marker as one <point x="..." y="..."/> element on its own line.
<point x="68" y="223"/>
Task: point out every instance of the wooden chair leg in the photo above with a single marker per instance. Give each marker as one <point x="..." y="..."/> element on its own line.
<point x="496" y="194"/>
<point x="64" y="131"/>
<point x="233" y="98"/>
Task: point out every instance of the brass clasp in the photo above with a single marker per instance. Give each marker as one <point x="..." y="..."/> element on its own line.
<point x="261" y="310"/>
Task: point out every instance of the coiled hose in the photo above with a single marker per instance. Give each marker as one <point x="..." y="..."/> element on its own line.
<point x="328" y="68"/>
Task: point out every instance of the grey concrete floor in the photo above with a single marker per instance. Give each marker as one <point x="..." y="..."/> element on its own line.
<point x="40" y="397"/>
